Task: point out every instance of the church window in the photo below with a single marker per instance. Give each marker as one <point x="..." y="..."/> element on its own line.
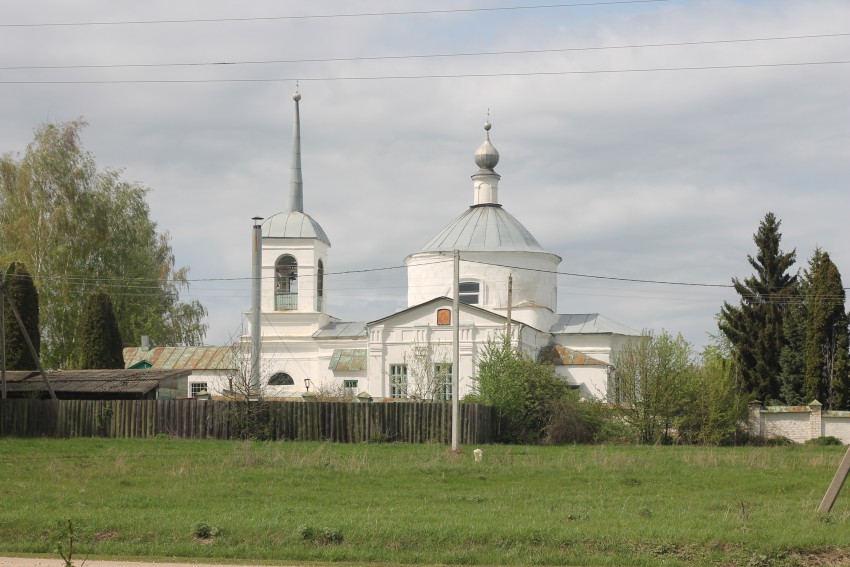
<point x="286" y="284"/>
<point x="398" y="380"/>
<point x="469" y="293"/>
<point x="443" y="381"/>
<point x="281" y="379"/>
<point x="320" y="287"/>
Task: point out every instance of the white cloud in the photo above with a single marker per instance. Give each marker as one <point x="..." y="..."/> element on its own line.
<point x="657" y="175"/>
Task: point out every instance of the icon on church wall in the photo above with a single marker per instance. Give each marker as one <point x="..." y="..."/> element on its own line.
<point x="444" y="316"/>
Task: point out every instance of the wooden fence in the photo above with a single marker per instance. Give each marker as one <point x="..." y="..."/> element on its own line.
<point x="309" y="421"/>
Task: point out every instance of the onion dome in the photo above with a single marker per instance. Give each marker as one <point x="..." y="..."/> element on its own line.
<point x="486" y="156"/>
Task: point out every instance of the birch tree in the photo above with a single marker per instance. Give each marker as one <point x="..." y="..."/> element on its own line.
<point x="79" y="228"/>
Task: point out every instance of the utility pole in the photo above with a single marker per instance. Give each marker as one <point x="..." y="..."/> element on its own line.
<point x="456" y="355"/>
<point x="256" y="275"/>
<point x="510" y="305"/>
<point x="2" y="337"/>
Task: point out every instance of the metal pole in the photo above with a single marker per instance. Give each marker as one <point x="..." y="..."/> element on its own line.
<point x="510" y="305"/>
<point x="2" y="336"/>
<point x="255" y="305"/>
<point x="456" y="355"/>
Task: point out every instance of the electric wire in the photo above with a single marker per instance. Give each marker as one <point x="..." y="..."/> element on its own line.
<point x="417" y="56"/>
<point x="419" y="77"/>
<point x="331" y="16"/>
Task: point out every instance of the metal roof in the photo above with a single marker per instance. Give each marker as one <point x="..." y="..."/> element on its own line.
<point x="293" y="224"/>
<point x="95" y="381"/>
<point x="560" y="355"/>
<point x="484" y="227"/>
<point x="589" y="324"/>
<point x="342" y="330"/>
<point x="191" y="358"/>
<point x="348" y="360"/>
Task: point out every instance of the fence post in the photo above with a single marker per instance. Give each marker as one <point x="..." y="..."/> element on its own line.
<point x="815" y="419"/>
<point x="756" y="422"/>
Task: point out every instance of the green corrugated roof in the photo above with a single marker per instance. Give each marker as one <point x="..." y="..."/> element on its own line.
<point x="184" y="358"/>
<point x="348" y="360"/>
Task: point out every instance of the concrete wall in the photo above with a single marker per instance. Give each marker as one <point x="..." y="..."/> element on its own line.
<point x="799" y="423"/>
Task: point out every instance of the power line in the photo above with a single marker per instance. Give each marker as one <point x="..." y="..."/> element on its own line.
<point x="331" y="16"/>
<point x="435" y="76"/>
<point x="418" y="56"/>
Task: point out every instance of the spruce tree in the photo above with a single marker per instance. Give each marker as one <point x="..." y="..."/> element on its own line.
<point x="792" y="359"/>
<point x="755" y="327"/>
<point x="102" y="346"/>
<point x="20" y="291"/>
<point x="827" y="342"/>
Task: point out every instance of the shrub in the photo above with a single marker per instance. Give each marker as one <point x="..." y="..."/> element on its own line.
<point x="574" y="421"/>
<point x="324" y="536"/>
<point x="379" y="438"/>
<point x="522" y="389"/>
<point x="825" y="441"/>
<point x="203" y="530"/>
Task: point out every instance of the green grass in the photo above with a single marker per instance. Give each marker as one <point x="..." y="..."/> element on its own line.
<point x="577" y="505"/>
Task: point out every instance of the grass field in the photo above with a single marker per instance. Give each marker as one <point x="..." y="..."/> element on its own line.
<point x="576" y="505"/>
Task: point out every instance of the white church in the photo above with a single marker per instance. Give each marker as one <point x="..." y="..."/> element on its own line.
<point x="408" y="354"/>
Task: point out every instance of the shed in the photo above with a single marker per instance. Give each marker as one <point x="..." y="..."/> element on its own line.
<point x="119" y="384"/>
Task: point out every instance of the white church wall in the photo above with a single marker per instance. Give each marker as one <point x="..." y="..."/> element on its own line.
<point x="431" y="274"/>
<point x="307" y="253"/>
<point x="591" y="380"/>
<point x="394" y="340"/>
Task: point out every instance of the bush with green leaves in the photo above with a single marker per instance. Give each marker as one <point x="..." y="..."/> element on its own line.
<point x="525" y="391"/>
<point x="825" y="441"/>
<point x="203" y="530"/>
<point x="321" y="536"/>
<point x="575" y="420"/>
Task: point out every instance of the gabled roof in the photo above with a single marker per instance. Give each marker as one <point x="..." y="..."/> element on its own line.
<point x="444" y="299"/>
<point x="560" y="355"/>
<point x="342" y="330"/>
<point x="178" y="358"/>
<point x="589" y="324"/>
<point x="120" y="381"/>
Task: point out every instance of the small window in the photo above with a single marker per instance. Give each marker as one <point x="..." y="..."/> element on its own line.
<point x="350" y="387"/>
<point x="469" y="293"/>
<point x="443" y="380"/>
<point x="281" y="379"/>
<point x="320" y="287"/>
<point x="196" y="388"/>
<point x="398" y="381"/>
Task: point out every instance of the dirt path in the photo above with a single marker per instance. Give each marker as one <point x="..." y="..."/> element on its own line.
<point x="56" y="562"/>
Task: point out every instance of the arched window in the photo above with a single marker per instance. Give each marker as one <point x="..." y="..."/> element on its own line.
<point x="286" y="284"/>
<point x="320" y="287"/>
<point x="469" y="293"/>
<point x="281" y="379"/>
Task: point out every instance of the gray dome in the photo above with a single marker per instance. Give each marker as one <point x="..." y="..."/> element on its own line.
<point x="484" y="227"/>
<point x="486" y="156"/>
<point x="293" y="224"/>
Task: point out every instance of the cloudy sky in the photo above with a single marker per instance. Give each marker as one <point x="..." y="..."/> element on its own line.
<point x="628" y="158"/>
